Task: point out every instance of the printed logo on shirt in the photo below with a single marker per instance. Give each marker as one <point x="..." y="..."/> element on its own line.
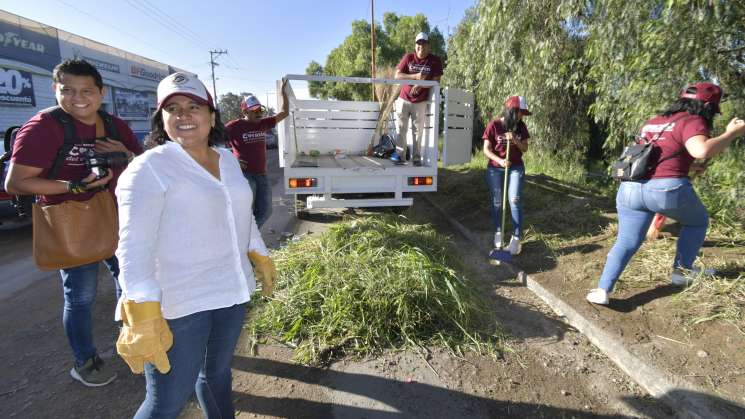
<point x="419" y="68"/>
<point x="76" y="157"/>
<point x="655" y="128"/>
<point x="253" y="136"/>
<point x="502" y="140"/>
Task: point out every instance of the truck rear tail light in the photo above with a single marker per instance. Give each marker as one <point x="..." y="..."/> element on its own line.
<point x="420" y="181"/>
<point x="303" y="182"/>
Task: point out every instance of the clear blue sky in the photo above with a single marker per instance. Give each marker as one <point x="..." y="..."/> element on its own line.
<point x="265" y="39"/>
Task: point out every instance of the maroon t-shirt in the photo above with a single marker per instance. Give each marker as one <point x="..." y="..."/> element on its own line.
<point x="495" y="134"/>
<point x="39" y="140"/>
<point x="248" y="141"/>
<point x="682" y="127"/>
<point x="431" y="65"/>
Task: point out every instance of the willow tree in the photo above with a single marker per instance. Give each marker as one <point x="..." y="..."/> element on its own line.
<point x="642" y="53"/>
<point x="533" y="49"/>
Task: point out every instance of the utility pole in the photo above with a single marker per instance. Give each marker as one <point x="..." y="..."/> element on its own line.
<point x="372" y="44"/>
<point x="214" y="54"/>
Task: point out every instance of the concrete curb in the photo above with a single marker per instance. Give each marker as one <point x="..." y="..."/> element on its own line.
<point x="686" y="399"/>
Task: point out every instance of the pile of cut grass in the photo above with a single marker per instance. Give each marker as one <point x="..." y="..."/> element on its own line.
<point x="374" y="283"/>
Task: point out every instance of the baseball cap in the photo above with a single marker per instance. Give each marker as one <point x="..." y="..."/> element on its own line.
<point x="705" y="92"/>
<point x="517" y="102"/>
<point x="250" y="102"/>
<point x="186" y="85"/>
<point x="421" y="36"/>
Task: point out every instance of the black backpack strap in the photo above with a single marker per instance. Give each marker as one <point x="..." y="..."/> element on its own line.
<point x="71" y="139"/>
<point x="109" y="125"/>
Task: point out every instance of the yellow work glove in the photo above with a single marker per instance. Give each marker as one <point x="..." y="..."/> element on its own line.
<point x="264" y="271"/>
<point x="145" y="336"/>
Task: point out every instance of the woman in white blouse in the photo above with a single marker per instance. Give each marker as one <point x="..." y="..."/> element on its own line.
<point x="186" y="236"/>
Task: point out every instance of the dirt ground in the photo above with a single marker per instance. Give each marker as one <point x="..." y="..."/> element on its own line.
<point x="646" y="315"/>
<point x="549" y="369"/>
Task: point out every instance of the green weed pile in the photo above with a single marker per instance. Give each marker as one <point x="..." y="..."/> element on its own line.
<point x="374" y="283"/>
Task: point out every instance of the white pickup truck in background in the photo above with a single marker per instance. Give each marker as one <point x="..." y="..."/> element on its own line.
<point x="323" y="147"/>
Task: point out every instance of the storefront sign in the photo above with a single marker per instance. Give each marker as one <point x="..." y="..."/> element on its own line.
<point x="16" y="87"/>
<point x="131" y="104"/>
<point x="103" y="65"/>
<point x="30" y="45"/>
<point x="146" y="73"/>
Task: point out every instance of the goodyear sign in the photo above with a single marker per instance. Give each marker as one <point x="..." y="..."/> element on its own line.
<point x="32" y="45"/>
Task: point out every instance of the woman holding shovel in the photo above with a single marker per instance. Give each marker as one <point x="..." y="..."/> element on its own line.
<point x="505" y="141"/>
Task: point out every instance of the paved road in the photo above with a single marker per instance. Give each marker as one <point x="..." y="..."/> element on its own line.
<point x="17" y="269"/>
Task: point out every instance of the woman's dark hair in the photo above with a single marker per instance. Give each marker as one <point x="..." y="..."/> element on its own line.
<point x="510" y="120"/>
<point x="77" y="67"/>
<point x="158" y="135"/>
<point x="693" y="107"/>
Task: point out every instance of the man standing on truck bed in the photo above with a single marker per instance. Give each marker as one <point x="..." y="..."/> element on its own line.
<point x="247" y="138"/>
<point x="420" y="65"/>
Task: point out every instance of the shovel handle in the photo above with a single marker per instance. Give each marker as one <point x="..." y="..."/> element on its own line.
<point x="504" y="192"/>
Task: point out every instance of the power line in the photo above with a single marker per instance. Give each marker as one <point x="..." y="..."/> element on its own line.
<point x="185" y="29"/>
<point x="109" y="25"/>
<point x="167" y="25"/>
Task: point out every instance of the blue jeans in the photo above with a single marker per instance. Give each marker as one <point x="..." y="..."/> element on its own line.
<point x="495" y="180"/>
<point x="262" y="197"/>
<point x="203" y="346"/>
<point x="637" y="202"/>
<point x="79" y="285"/>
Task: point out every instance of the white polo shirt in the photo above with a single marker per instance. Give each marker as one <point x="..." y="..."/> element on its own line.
<point x="183" y="234"/>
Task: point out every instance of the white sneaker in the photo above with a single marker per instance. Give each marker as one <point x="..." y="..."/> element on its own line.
<point x="597" y="296"/>
<point x="684" y="277"/>
<point x="498" y="240"/>
<point x="515" y="247"/>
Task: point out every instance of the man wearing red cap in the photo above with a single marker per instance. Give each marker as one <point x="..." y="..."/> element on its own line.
<point x="412" y="102"/>
<point x="247" y="138"/>
<point x="678" y="136"/>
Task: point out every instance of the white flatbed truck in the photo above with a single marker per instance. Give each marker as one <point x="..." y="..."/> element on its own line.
<point x="323" y="147"/>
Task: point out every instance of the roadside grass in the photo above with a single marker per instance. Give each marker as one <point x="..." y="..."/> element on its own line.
<point x="375" y="283"/>
<point x="554" y="215"/>
<point x="560" y="225"/>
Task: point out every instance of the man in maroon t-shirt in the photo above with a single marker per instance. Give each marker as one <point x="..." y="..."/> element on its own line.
<point x="247" y="138"/>
<point x="78" y="87"/>
<point x="420" y="65"/>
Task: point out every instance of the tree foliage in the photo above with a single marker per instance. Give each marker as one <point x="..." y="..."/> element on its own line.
<point x="230" y="106"/>
<point x="592" y="69"/>
<point x="510" y="47"/>
<point x="353" y="57"/>
<point x="610" y="62"/>
<point x="642" y="53"/>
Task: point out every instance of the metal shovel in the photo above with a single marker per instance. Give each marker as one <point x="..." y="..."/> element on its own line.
<point x="497" y="256"/>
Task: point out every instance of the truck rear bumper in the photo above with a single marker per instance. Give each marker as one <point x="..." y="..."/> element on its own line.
<point x="328" y="202"/>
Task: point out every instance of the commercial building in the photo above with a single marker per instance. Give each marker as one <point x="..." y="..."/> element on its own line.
<point x="29" y="51"/>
